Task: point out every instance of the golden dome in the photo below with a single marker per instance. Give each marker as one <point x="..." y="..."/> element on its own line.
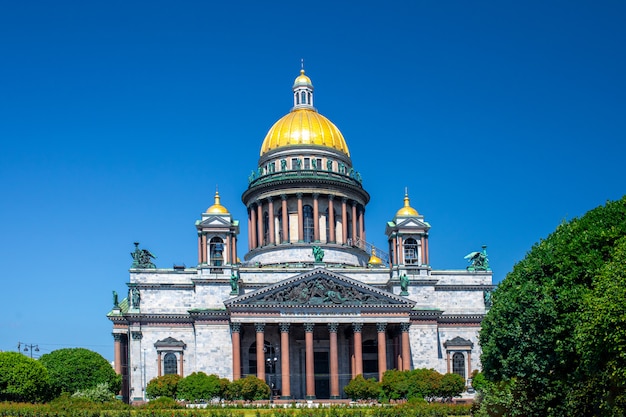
<point x="217" y="208"/>
<point x="407" y="210"/>
<point x="302" y="80"/>
<point x="304" y="126"/>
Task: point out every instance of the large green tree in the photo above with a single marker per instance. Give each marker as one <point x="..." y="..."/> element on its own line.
<point x="537" y="338"/>
<point x="22" y="379"/>
<point x="75" y="369"/>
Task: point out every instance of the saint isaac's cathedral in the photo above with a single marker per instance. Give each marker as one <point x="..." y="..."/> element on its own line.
<point x="312" y="304"/>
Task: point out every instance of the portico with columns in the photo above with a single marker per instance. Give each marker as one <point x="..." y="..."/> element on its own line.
<point x="317" y="324"/>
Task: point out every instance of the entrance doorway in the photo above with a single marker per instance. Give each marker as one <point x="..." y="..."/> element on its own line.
<point x="322" y="374"/>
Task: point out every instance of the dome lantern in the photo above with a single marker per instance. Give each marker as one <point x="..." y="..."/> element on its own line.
<point x="302" y="92"/>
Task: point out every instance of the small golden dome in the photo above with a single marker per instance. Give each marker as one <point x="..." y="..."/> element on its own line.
<point x="304" y="126"/>
<point x="374" y="260"/>
<point x="217" y="208"/>
<point x="407" y="210"/>
<point x="302" y="80"/>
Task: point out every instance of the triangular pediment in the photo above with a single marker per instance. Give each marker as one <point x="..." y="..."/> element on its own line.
<point x="320" y="289"/>
<point x="411" y="223"/>
<point x="213" y="221"/>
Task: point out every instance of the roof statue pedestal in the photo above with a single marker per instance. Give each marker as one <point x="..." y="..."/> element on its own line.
<point x="313" y="299"/>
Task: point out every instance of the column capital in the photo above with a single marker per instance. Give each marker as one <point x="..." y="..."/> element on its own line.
<point x="258" y="203"/>
<point x="283" y="196"/>
<point x="331" y="197"/>
<point x="344" y="200"/>
<point x="269" y="199"/>
<point x="381" y="327"/>
<point x="136" y="335"/>
<point x="299" y="196"/>
<point x="117" y="337"/>
<point x="308" y="327"/>
<point x="405" y="327"/>
<point x="284" y="327"/>
<point x="235" y="327"/>
<point x="332" y="327"/>
<point x="259" y="327"/>
<point x="316" y="196"/>
<point x="357" y="327"/>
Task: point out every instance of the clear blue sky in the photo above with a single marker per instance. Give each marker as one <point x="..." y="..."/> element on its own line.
<point x="118" y="119"/>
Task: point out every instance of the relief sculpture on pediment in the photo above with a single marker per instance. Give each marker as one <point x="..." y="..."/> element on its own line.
<point x="320" y="291"/>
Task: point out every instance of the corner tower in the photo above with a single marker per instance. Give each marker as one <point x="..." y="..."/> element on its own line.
<point x="305" y="191"/>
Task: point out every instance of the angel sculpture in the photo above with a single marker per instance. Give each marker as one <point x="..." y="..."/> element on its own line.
<point x="478" y="260"/>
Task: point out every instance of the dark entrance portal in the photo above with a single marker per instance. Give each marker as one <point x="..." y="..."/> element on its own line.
<point x="322" y="374"/>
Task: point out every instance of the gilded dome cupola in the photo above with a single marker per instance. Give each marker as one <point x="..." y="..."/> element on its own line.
<point x="407" y="210"/>
<point x="304" y="125"/>
<point x="217" y="208"/>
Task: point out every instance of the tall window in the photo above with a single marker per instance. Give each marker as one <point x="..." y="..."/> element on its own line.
<point x="410" y="251"/>
<point x="309" y="229"/>
<point x="266" y="228"/>
<point x="349" y="228"/>
<point x="283" y="230"/>
<point x="458" y="364"/>
<point x="216" y="247"/>
<point x="370" y="359"/>
<point x="170" y="364"/>
<point x="330" y="238"/>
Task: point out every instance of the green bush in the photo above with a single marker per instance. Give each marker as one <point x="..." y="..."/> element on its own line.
<point x="199" y="386"/>
<point x="99" y="393"/>
<point x="163" y="386"/>
<point x="162" y="403"/>
<point x="23" y="379"/>
<point x="249" y="388"/>
<point x="362" y="389"/>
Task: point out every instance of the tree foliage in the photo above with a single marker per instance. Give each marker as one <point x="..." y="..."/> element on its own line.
<point x="200" y="386"/>
<point x="163" y="386"/>
<point x="22" y="379"/>
<point x="553" y="315"/>
<point x="78" y="369"/>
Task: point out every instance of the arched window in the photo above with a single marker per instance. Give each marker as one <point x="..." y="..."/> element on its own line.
<point x="266" y="228"/>
<point x="216" y="247"/>
<point x="410" y="251"/>
<point x="458" y="364"/>
<point x="330" y="238"/>
<point x="303" y="97"/>
<point x="170" y="364"/>
<point x="309" y="228"/>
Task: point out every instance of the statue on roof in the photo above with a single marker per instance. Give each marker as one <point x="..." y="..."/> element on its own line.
<point x="479" y="260"/>
<point x="116" y="302"/>
<point x="135" y="297"/>
<point x="318" y="254"/>
<point x="142" y="258"/>
<point x="404" y="285"/>
<point x="234" y="283"/>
